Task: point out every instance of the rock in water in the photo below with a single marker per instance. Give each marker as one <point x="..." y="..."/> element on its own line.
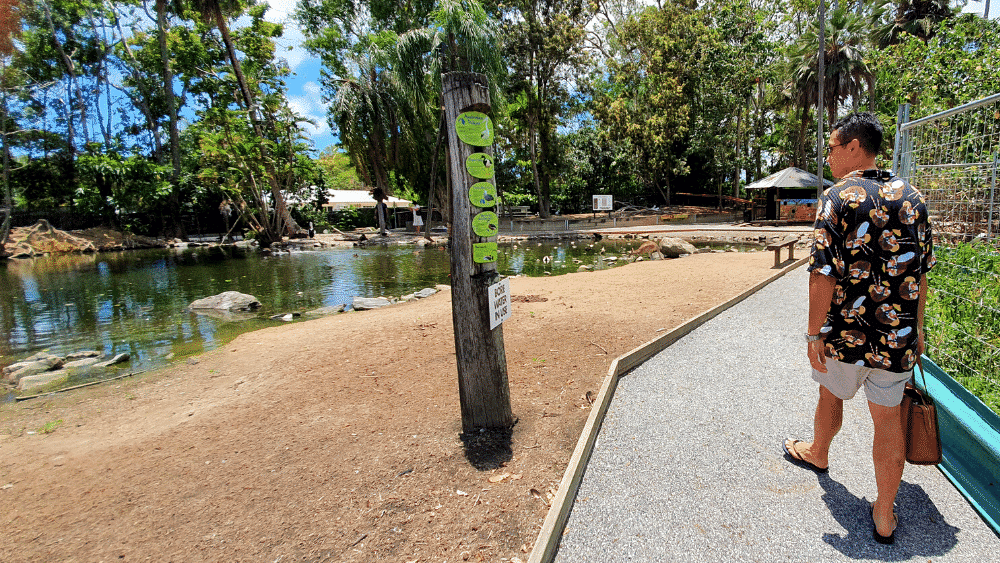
<point x="227" y="301"/>
<point x="39" y="363"/>
<point x="123" y="357"/>
<point x="365" y="303"/>
<point x="672" y="247"/>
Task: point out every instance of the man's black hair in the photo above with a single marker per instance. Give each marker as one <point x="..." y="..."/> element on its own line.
<point x="864" y="127"/>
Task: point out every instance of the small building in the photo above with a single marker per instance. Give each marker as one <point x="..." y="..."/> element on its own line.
<point x="342" y="199"/>
<point x="788" y="195"/>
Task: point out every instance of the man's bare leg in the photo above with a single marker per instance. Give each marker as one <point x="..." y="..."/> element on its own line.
<point x="826" y="424"/>
<point x="889" y="458"/>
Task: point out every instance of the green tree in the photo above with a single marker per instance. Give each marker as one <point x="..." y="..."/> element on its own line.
<point x="950" y="69"/>
<point x="10" y="28"/>
<point x="646" y="98"/>
<point x="215" y="12"/>
<point x="545" y="46"/>
<point x="846" y="71"/>
<point x="892" y="20"/>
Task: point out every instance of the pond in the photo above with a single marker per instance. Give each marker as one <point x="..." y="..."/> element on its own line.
<point x="136" y="302"/>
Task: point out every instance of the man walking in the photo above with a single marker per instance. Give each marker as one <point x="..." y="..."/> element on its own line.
<point x="867" y="290"/>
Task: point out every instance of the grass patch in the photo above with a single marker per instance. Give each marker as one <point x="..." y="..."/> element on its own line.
<point x="50" y="427"/>
<point x="963" y="318"/>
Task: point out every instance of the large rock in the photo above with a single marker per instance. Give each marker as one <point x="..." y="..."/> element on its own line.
<point x="227" y="301"/>
<point x="83" y="354"/>
<point x="329" y="310"/>
<point x="120" y="358"/>
<point x="672" y="247"/>
<point x="81" y="363"/>
<point x="31" y="382"/>
<point x="366" y="303"/>
<point x="39" y="363"/>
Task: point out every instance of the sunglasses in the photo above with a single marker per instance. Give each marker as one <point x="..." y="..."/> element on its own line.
<point x="831" y="147"/>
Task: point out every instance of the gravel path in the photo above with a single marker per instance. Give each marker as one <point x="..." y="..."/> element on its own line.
<point x="688" y="465"/>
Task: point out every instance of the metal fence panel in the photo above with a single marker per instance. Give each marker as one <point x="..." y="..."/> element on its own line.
<point x="951" y="157"/>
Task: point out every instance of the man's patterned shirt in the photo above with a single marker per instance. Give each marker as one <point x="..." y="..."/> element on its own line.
<point x="873" y="237"/>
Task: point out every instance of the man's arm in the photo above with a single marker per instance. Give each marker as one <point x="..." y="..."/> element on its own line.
<point x="921" y="303"/>
<point x="821" y="289"/>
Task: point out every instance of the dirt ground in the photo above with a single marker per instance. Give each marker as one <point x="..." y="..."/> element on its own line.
<point x="337" y="439"/>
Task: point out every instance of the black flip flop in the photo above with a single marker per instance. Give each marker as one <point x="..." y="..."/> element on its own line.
<point x="798" y="460"/>
<point x="884" y="540"/>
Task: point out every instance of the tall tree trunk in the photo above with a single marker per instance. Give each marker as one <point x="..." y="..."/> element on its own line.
<point x="736" y="173"/>
<point x="281" y="210"/>
<point x="433" y="179"/>
<point x="536" y="180"/>
<point x="70" y="121"/>
<point x="5" y="155"/>
<point x="175" y="143"/>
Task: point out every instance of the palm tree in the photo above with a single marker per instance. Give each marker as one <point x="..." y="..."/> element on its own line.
<point x="364" y="109"/>
<point x="892" y="19"/>
<point x="459" y="37"/>
<point x="846" y="74"/>
<point x="213" y="12"/>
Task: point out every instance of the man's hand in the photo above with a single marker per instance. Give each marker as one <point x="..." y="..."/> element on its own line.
<point x="817" y="355"/>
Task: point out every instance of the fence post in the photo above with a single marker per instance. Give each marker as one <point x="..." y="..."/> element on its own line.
<point x="993" y="201"/>
<point x="484" y="392"/>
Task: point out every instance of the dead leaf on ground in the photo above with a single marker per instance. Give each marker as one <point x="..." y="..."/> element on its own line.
<point x="499" y="478"/>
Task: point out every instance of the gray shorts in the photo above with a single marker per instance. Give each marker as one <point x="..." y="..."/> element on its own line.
<point x="882" y="387"/>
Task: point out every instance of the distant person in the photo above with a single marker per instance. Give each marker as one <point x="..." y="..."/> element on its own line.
<point x="417" y="220"/>
<point x="381" y="209"/>
<point x="867" y="290"/>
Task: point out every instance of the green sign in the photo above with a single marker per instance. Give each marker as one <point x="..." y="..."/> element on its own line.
<point x="485" y="224"/>
<point x="483" y="194"/>
<point x="484" y="252"/>
<point x="480" y="165"/>
<point x="474" y="128"/>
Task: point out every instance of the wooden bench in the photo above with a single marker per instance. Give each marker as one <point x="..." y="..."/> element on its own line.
<point x="776" y="246"/>
<point x="516" y="211"/>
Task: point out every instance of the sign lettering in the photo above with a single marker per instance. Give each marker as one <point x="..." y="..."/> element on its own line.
<point x="499" y="302"/>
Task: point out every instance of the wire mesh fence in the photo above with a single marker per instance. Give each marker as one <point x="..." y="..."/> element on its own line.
<point x="952" y="158"/>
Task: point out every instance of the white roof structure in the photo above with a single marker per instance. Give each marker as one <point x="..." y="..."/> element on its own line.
<point x="340" y="199"/>
<point x="790" y="177"/>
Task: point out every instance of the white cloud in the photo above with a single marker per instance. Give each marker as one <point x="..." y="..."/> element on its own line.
<point x="290" y="44"/>
<point x="311" y="106"/>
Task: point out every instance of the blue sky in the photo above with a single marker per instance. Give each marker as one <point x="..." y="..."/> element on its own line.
<point x="304" y="91"/>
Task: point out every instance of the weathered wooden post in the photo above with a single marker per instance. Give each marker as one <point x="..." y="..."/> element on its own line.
<point x="482" y="366"/>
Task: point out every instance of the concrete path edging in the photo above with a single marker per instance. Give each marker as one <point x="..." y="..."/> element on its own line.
<point x="546" y="544"/>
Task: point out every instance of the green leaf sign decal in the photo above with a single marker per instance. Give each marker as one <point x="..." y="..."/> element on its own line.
<point x="483" y="194"/>
<point x="474" y="128"/>
<point x="484" y="252"/>
<point x="485" y="224"/>
<point x="480" y="165"/>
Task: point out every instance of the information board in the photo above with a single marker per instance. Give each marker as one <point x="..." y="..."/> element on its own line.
<point x="485" y="224"/>
<point x="480" y="165"/>
<point x="474" y="128"/>
<point x="483" y="194"/>
<point x="484" y="252"/>
<point x="499" y="294"/>
<point x="604" y="202"/>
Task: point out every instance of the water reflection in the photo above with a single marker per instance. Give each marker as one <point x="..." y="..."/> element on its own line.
<point x="136" y="301"/>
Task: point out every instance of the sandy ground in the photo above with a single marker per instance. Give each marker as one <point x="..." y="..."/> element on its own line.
<point x="336" y="439"/>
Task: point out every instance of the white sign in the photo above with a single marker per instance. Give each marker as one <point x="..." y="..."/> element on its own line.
<point x="604" y="202"/>
<point x="499" y="295"/>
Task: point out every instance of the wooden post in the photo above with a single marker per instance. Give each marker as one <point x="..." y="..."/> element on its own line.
<point x="482" y="366"/>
